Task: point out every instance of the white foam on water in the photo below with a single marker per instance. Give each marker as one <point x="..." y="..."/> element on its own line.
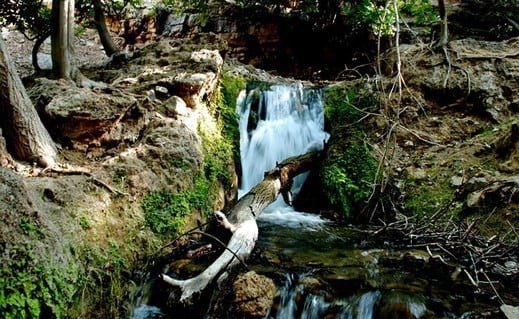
<point x="289" y="122"/>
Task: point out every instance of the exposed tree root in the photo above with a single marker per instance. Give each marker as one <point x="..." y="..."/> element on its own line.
<point x="85" y="172"/>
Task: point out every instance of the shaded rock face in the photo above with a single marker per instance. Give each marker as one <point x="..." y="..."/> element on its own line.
<point x="14" y="203"/>
<point x="5" y="157"/>
<point x="80" y="116"/>
<point x="253" y="295"/>
<point x="287" y="43"/>
<point x="485" y="75"/>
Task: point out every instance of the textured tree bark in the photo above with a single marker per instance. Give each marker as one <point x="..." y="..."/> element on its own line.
<point x="61" y="37"/>
<point x="241" y="221"/>
<point x="444" y="31"/>
<point x="24" y="132"/>
<point x="62" y="46"/>
<point x="102" y="29"/>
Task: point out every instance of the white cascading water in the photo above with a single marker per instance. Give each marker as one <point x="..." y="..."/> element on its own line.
<point x="288" y="120"/>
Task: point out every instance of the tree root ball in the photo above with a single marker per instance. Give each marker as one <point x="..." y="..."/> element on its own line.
<point x="253" y="295"/>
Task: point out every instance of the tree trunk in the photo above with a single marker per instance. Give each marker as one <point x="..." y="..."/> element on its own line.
<point x="62" y="46"/>
<point x="24" y="132"/>
<point x="241" y="222"/>
<point x="36" y="48"/>
<point x="444" y="31"/>
<point x="62" y="34"/>
<point x="102" y="29"/>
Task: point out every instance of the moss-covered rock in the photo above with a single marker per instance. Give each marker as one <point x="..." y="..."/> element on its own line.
<point x="348" y="170"/>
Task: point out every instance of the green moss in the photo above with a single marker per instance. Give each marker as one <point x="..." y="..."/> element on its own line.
<point x="230" y="88"/>
<point x="31" y="228"/>
<point x="424" y="200"/>
<point x="30" y="288"/>
<point x="107" y="277"/>
<point x="179" y="163"/>
<point x="84" y="222"/>
<point x="165" y="212"/>
<point x="349" y="170"/>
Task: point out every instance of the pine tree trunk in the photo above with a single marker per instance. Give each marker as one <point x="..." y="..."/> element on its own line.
<point x="102" y="29"/>
<point x="23" y="130"/>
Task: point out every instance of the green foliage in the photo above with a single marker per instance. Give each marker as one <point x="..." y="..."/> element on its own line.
<point x="114" y="8"/>
<point x="164" y="210"/>
<point x="181" y="6"/>
<point x="28" y="16"/>
<point x="349" y="170"/>
<point x="179" y="163"/>
<point x="421" y="10"/>
<point x="105" y="284"/>
<point x="31" y="228"/>
<point x="381" y="19"/>
<point x="84" y="223"/>
<point x="230" y="88"/>
<point x="31" y="289"/>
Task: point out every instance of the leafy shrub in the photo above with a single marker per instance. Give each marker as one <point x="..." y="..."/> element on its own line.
<point x="349" y="169"/>
<point x="31" y="289"/>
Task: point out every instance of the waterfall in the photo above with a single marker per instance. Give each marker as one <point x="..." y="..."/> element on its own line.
<point x="283" y="121"/>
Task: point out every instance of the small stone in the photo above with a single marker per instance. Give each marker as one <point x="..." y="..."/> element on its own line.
<point x="176" y="106"/>
<point x="512" y="265"/>
<point x="409" y="143"/>
<point x="253" y="295"/>
<point x="456" y="181"/>
<point x="161" y="91"/>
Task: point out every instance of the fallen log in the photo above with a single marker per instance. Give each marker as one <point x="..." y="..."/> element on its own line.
<point x="241" y="222"/>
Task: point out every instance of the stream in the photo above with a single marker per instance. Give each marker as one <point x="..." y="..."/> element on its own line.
<point x="322" y="270"/>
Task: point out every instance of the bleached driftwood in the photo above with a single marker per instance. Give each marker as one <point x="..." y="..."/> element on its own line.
<point x="241" y="221"/>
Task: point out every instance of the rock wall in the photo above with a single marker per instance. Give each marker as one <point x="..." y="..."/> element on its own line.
<point x="157" y="161"/>
<point x="288" y="44"/>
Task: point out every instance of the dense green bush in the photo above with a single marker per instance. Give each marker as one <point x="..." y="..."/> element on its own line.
<point x="348" y="172"/>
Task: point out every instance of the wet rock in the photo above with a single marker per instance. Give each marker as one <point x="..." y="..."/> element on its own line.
<point x="45" y="61"/>
<point x="161" y="92"/>
<point x="512" y="265"/>
<point x="253" y="295"/>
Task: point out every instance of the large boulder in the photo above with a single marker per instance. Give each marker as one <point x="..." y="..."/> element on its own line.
<point x="484" y="73"/>
<point x="253" y="295"/>
<point x="81" y="116"/>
